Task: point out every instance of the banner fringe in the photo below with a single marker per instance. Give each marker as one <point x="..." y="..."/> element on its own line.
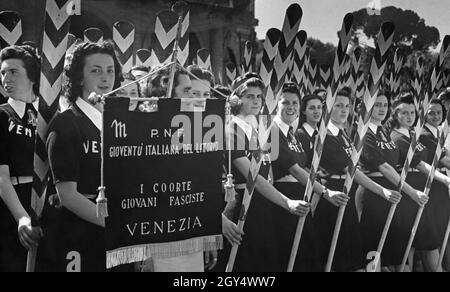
<point x="139" y="253"/>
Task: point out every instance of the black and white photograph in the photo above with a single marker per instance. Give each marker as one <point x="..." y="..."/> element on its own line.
<point x="234" y="139"/>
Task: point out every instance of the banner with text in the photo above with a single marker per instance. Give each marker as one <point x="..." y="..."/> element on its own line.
<point x="162" y="173"/>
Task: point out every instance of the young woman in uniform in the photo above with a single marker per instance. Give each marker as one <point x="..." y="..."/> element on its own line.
<point x="255" y="252"/>
<point x="427" y="240"/>
<point x="439" y="193"/>
<point x="288" y="164"/>
<point x="20" y="69"/>
<point x="335" y="160"/>
<point x="379" y="160"/>
<point x="310" y="116"/>
<point x="73" y="146"/>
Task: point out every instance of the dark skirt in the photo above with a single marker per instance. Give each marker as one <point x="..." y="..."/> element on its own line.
<point x="71" y="244"/>
<point x="373" y="220"/>
<point x="257" y="250"/>
<point x="285" y="225"/>
<point x="440" y="206"/>
<point x="349" y="251"/>
<point x="426" y="236"/>
<point x="13" y="256"/>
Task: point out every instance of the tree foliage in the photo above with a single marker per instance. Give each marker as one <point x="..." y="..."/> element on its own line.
<point x="321" y="53"/>
<point x="410" y="29"/>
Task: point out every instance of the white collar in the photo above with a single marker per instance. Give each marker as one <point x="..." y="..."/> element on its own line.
<point x="403" y="131"/>
<point x="19" y="106"/>
<point x="247" y="124"/>
<point x="373" y="127"/>
<point x="91" y="112"/>
<point x="309" y="129"/>
<point x="432" y="129"/>
<point x="333" y="129"/>
<point x="282" y="125"/>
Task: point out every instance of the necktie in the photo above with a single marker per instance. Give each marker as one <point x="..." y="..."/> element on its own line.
<point x="313" y="138"/>
<point x="30" y="111"/>
<point x="291" y="135"/>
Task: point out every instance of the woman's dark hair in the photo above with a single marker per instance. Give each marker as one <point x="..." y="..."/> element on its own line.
<point x="74" y="71"/>
<point x="393" y="123"/>
<point x="304" y="105"/>
<point x="444" y="111"/>
<point x="242" y="86"/>
<point x="129" y="76"/>
<point x="385" y="93"/>
<point x="242" y="79"/>
<point x="159" y="82"/>
<point x="346" y="92"/>
<point x="444" y="95"/>
<point x="201" y="74"/>
<point x="291" y="87"/>
<point x="30" y="59"/>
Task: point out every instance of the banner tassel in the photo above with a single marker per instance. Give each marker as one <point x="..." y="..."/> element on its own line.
<point x="102" y="203"/>
<point x="230" y="193"/>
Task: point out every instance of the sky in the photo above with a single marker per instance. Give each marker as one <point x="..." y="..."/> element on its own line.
<point x="323" y="18"/>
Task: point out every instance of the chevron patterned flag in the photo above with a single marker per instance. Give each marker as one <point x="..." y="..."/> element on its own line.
<point x="429" y="95"/>
<point x="338" y="67"/>
<point x="283" y="58"/>
<point x="204" y="59"/>
<point x="324" y="77"/>
<point x="377" y="68"/>
<point x="270" y="50"/>
<point x="437" y="74"/>
<point x="306" y="75"/>
<point x="231" y="73"/>
<point x="299" y="58"/>
<point x="417" y="83"/>
<point x="183" y="46"/>
<point x="123" y="37"/>
<point x="298" y="70"/>
<point x="352" y="82"/>
<point x="355" y="66"/>
<point x="347" y="71"/>
<point x="143" y="57"/>
<point x="54" y="46"/>
<point x="394" y="77"/>
<point x="10" y="32"/>
<point x="93" y="35"/>
<point x="247" y="57"/>
<point x="10" y="28"/>
<point x="163" y="38"/>
<point x="312" y="79"/>
<point x="360" y="85"/>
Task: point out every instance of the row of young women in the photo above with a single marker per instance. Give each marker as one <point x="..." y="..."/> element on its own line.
<point x="266" y="241"/>
<point x="75" y="239"/>
<point x="74" y="235"/>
